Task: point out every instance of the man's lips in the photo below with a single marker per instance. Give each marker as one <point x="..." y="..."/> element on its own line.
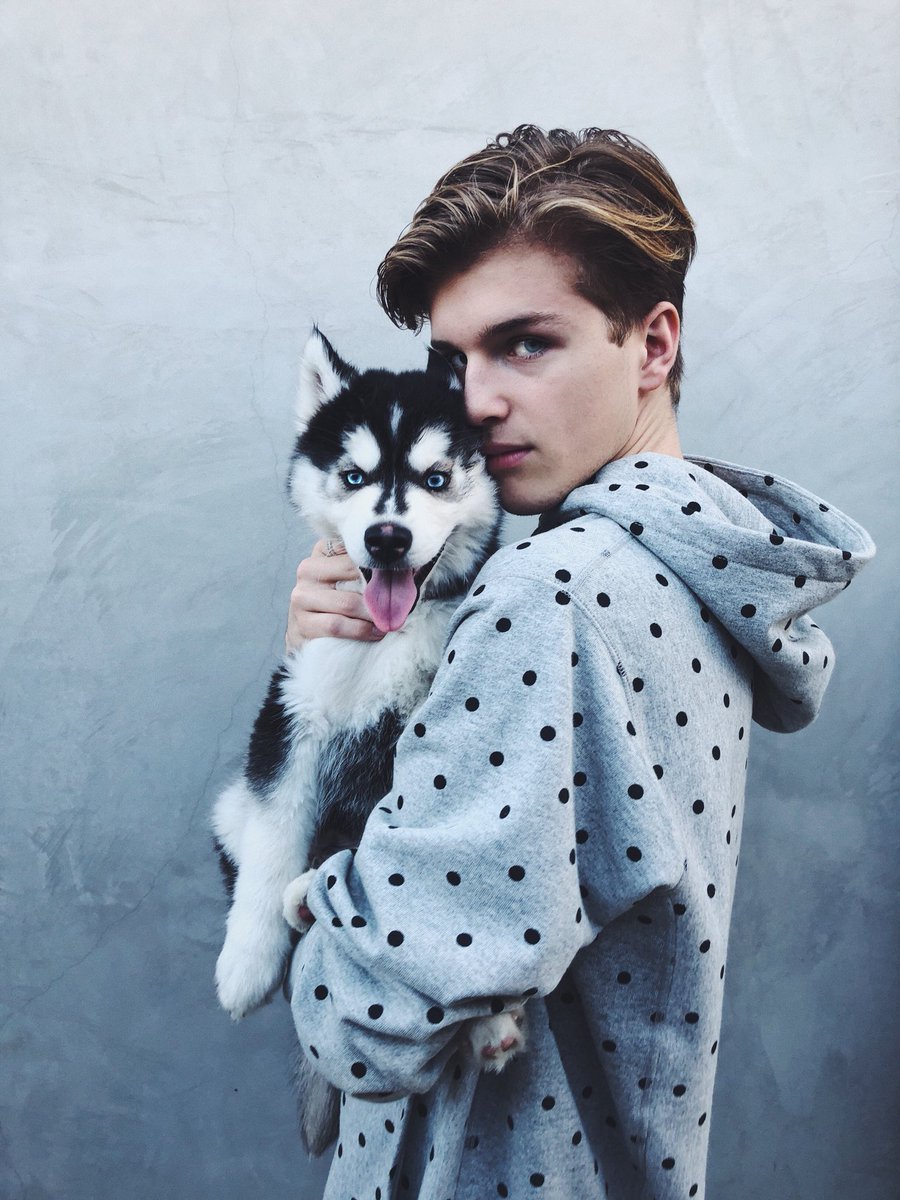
<point x="500" y="457"/>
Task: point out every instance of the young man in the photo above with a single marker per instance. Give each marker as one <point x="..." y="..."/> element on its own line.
<point x="564" y="827"/>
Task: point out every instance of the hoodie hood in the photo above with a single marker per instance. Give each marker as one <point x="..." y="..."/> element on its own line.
<point x="758" y="551"/>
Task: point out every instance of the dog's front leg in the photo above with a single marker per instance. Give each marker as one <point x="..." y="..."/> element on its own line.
<point x="257" y="940"/>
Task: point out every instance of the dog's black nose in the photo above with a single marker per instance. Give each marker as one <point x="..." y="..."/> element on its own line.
<point x="387" y="543"/>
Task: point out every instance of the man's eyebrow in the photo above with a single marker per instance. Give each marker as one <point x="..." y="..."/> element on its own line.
<point x="511" y="325"/>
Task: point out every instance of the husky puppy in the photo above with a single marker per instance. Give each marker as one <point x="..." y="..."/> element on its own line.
<point x="387" y="463"/>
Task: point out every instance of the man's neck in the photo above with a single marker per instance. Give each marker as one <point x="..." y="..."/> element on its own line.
<point x="656" y="430"/>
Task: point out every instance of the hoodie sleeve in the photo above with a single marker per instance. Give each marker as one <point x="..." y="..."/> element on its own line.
<point x="465" y="896"/>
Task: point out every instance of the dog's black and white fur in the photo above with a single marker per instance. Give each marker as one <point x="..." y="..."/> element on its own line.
<point x="386" y="463"/>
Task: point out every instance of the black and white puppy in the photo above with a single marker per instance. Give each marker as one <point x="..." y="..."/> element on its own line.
<point x="386" y="463"/>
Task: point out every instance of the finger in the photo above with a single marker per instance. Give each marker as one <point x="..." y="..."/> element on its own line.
<point x="318" y="597"/>
<point x="316" y="625"/>
<point x="327" y="569"/>
<point x="329" y="548"/>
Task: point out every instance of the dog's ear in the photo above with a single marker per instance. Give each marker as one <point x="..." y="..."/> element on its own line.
<point x="439" y="368"/>
<point x="323" y="373"/>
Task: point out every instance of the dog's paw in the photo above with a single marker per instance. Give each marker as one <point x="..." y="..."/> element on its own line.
<point x="249" y="970"/>
<point x="495" y="1040"/>
<point x="294" y="907"/>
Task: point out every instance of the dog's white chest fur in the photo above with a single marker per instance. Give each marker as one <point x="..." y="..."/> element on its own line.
<point x="335" y="684"/>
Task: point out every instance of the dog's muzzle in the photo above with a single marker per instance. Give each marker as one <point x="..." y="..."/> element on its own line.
<point x="392" y="587"/>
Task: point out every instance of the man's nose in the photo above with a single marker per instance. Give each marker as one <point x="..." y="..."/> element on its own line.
<point x="484" y="397"/>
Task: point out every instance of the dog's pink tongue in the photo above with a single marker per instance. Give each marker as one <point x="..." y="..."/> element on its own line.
<point x="389" y="597"/>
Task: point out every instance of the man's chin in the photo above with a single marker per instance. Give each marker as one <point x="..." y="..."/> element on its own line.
<point x="522" y="508"/>
<point x="521" y="502"/>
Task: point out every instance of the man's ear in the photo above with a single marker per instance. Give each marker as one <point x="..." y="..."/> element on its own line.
<point x="323" y="373"/>
<point x="661" y="329"/>
<point x="441" y="369"/>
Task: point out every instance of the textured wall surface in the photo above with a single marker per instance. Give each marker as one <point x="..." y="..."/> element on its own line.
<point x="186" y="186"/>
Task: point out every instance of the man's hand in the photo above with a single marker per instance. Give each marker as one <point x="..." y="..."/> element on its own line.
<point x="319" y="608"/>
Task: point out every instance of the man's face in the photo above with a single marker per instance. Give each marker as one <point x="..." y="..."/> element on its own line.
<point x="555" y="396"/>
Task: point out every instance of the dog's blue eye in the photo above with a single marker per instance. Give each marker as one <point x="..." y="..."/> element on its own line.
<point x="437" y="480"/>
<point x="354" y="479"/>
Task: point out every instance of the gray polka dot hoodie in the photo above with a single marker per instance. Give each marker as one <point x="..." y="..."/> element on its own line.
<point x="564" y="829"/>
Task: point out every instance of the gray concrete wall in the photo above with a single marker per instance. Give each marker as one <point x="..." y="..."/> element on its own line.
<point x="185" y="187"/>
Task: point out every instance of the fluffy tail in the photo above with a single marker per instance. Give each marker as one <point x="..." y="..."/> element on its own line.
<point x="318" y="1106"/>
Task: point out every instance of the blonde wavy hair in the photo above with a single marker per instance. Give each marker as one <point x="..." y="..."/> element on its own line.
<point x="598" y="196"/>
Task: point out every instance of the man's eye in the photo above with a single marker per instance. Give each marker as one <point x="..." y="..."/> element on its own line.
<point x="437" y="480"/>
<point x="353" y="479"/>
<point x="528" y="347"/>
<point x="457" y="361"/>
